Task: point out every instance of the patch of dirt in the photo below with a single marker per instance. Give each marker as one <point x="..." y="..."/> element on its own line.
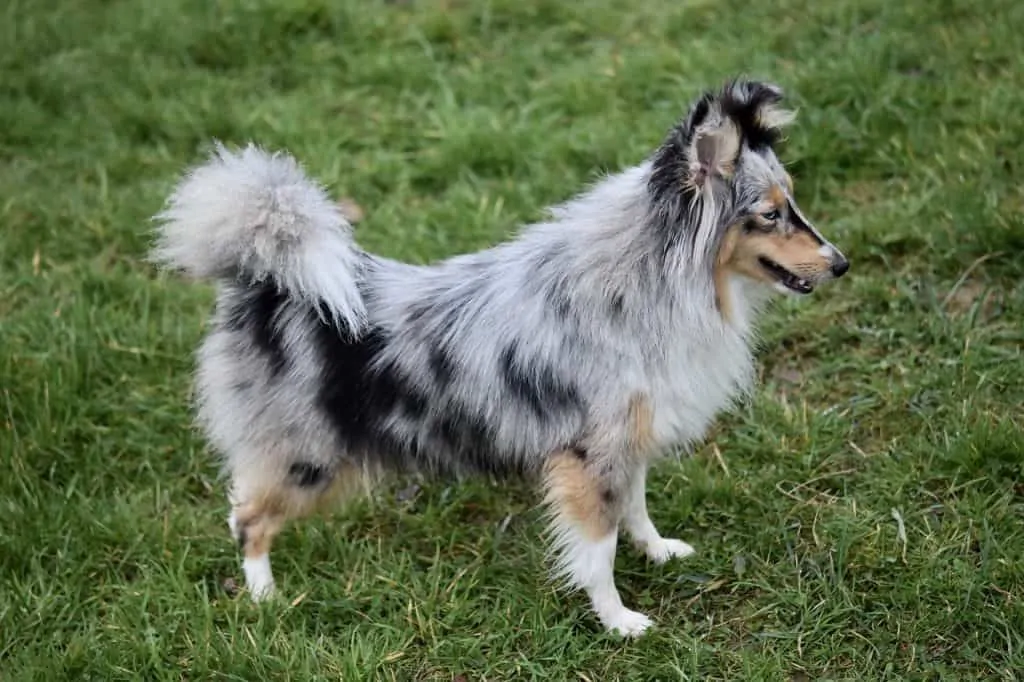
<point x="963" y="299"/>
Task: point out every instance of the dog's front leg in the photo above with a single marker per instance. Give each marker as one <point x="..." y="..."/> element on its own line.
<point x="640" y="528"/>
<point x="585" y="501"/>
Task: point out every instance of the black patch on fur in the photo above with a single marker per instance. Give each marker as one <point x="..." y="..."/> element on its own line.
<point x="433" y="320"/>
<point x="608" y="496"/>
<point x="540" y="390"/>
<point x="670" y="165"/>
<point x="413" y="403"/>
<point x="700" y="111"/>
<point x="256" y="310"/>
<point x="307" y="474"/>
<point x="358" y="394"/>
<point x="670" y="193"/>
<point x="442" y="364"/>
<point x="580" y="453"/>
<point x="471" y="437"/>
<point x="243" y="537"/>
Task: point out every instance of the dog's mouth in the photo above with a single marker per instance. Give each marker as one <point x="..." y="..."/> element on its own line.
<point x="786" y="278"/>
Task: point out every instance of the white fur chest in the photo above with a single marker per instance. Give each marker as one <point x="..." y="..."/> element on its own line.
<point x="697" y="385"/>
<point x="702" y="376"/>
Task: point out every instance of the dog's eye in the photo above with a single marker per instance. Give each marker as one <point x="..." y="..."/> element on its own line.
<point x="770" y="216"/>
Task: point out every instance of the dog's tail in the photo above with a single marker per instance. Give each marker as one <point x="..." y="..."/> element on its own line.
<point x="257" y="215"/>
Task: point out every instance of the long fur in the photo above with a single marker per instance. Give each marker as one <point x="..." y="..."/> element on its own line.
<point x="323" y="357"/>
<point x="258" y="214"/>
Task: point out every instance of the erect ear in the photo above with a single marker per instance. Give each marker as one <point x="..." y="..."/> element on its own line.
<point x="766" y="99"/>
<point x="756" y="107"/>
<point x="714" y="150"/>
<point x="772" y="116"/>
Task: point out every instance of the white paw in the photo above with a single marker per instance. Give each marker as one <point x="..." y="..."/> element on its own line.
<point x="663" y="549"/>
<point x="627" y="623"/>
<point x="258" y="578"/>
<point x="261" y="592"/>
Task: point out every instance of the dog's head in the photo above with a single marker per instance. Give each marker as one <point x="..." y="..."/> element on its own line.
<point x="724" y="197"/>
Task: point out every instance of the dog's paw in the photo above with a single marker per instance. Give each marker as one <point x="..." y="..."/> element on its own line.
<point x="664" y="549"/>
<point x="626" y="623"/>
<point x="261" y="592"/>
<point x="258" y="578"/>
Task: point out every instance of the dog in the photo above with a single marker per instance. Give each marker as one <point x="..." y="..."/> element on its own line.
<point x="574" y="353"/>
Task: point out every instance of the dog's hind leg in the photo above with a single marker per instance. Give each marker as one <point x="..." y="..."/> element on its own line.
<point x="261" y="504"/>
<point x="639" y="527"/>
<point x="585" y="507"/>
<point x="254" y="523"/>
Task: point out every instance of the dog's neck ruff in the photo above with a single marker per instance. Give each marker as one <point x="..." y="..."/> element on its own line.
<point x="679" y="343"/>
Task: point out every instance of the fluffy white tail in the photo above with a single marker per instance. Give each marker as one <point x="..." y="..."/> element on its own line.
<point x="258" y="215"/>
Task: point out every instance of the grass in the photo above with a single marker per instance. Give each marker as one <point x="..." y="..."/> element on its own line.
<point x="891" y="400"/>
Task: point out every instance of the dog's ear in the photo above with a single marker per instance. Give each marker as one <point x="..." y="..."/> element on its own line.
<point x="714" y="150"/>
<point x="768" y="110"/>
<point x="757" y="108"/>
<point x="717" y="126"/>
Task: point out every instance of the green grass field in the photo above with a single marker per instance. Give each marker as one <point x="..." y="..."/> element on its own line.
<point x="860" y="519"/>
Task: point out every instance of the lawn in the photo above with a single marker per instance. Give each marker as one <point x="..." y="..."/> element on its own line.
<point x="860" y="518"/>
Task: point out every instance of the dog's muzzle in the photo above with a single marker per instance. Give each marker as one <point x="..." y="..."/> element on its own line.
<point x="838" y="263"/>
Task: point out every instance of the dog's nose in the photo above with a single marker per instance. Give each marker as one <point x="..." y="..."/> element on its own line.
<point x="840" y="267"/>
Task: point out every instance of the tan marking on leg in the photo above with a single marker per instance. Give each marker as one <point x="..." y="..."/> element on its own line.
<point x="257" y="526"/>
<point x="575" y="495"/>
<point x="641" y="424"/>
<point x="260" y="511"/>
<point x="292" y="502"/>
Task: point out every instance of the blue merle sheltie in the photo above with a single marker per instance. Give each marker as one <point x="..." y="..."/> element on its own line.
<point x="575" y="353"/>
